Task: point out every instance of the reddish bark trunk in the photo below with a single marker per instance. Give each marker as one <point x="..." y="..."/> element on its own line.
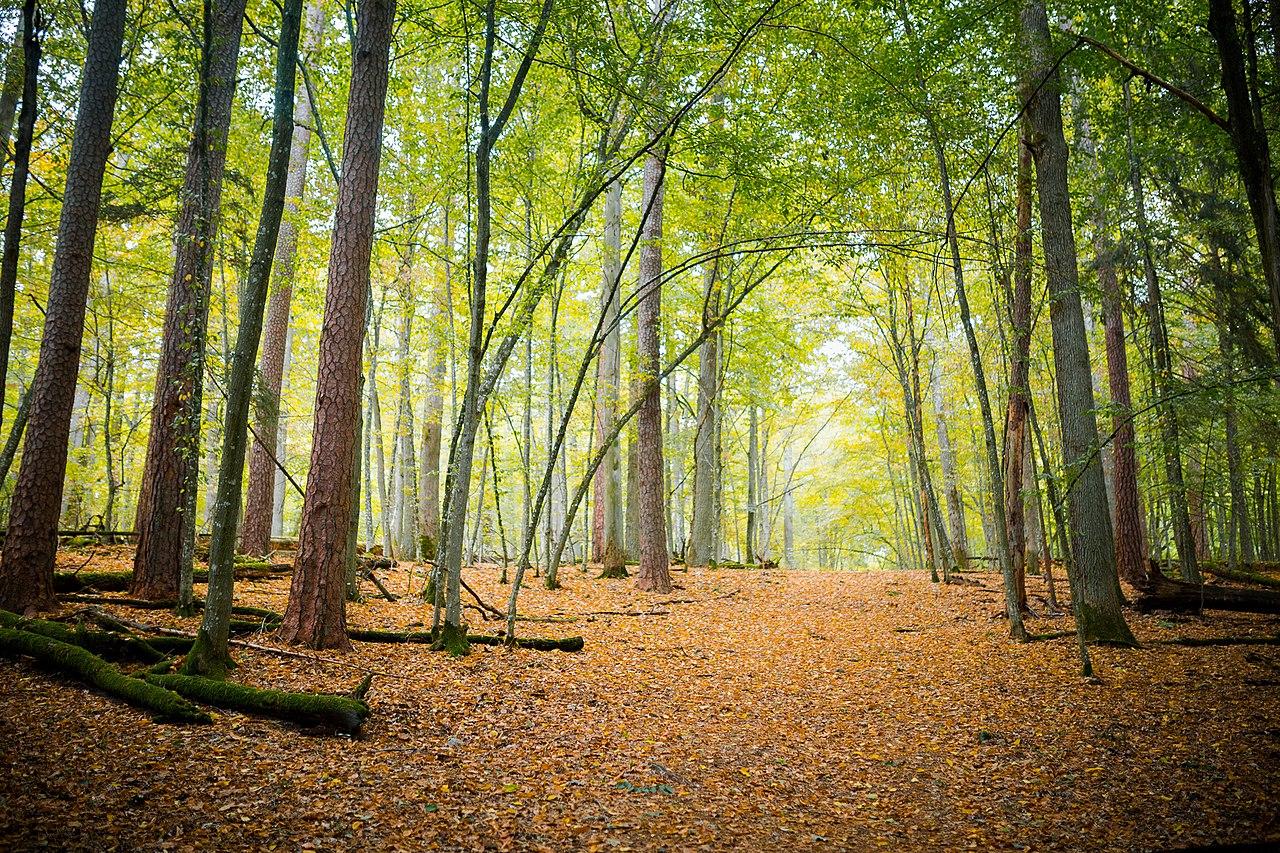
<point x="654" y="574"/>
<point x="174" y="442"/>
<point x="316" y="613"/>
<point x="26" y="566"/>
<point x="1131" y="547"/>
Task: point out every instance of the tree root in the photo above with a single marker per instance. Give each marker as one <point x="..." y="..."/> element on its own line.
<point x="339" y="713"/>
<point x="93" y="670"/>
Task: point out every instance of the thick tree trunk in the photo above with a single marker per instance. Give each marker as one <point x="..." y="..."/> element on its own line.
<point x="654" y="574"/>
<point x="1092" y="544"/>
<point x="316" y="614"/>
<point x="210" y="655"/>
<point x="256" y="532"/>
<point x="165" y="521"/>
<point x="26" y="565"/>
<point x="18" y="186"/>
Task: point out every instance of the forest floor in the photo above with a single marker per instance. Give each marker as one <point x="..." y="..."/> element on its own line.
<point x="748" y="710"/>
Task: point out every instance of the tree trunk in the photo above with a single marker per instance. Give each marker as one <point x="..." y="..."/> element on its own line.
<point x="1253" y="154"/>
<point x="1092" y="544"/>
<point x="406" y="481"/>
<point x="654" y="574"/>
<point x="947" y="457"/>
<point x="11" y="90"/>
<point x="281" y="448"/>
<point x="26" y="565"/>
<point x="18" y="185"/>
<point x="256" y="532"/>
<point x="706" y="463"/>
<point x="1016" y="450"/>
<point x="316" y="613"/>
<point x="609" y="475"/>
<point x="165" y="522"/>
<point x="209" y="655"/>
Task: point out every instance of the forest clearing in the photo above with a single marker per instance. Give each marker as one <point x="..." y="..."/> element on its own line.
<point x="747" y="710"/>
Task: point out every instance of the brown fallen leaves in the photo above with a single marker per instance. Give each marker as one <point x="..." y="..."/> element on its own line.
<point x="795" y="712"/>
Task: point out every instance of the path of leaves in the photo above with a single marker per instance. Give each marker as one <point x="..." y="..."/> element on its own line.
<point x="797" y="710"/>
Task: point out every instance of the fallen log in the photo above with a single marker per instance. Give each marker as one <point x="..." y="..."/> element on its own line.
<point x="1219" y="570"/>
<point x="106" y="643"/>
<point x="1221" y="641"/>
<point x="568" y="644"/>
<point x="143" y="604"/>
<point x="339" y="713"/>
<point x="120" y="581"/>
<point x="1166" y="594"/>
<point x="167" y="705"/>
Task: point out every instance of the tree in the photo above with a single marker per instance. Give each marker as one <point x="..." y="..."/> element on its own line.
<point x="166" y="523"/>
<point x="609" y="475"/>
<point x="1096" y="589"/>
<point x="255" y="533"/>
<point x="316" y="613"/>
<point x="26" y="565"/>
<point x="209" y="655"/>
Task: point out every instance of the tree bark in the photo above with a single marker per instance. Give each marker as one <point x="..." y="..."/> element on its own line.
<point x="165" y="520"/>
<point x="255" y="533"/>
<point x="706" y="467"/>
<point x="1016" y="450"/>
<point x="609" y="475"/>
<point x="18" y="185"/>
<point x="654" y="573"/>
<point x="26" y="565"/>
<point x="1092" y="544"/>
<point x="316" y="613"/>
<point x="210" y="655"/>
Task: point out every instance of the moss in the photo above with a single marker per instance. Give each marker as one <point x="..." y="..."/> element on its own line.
<point x="427" y="547"/>
<point x="116" y="646"/>
<point x="203" y="659"/>
<point x="452" y="639"/>
<point x="618" y="571"/>
<point x="340" y="713"/>
<point x="93" y="670"/>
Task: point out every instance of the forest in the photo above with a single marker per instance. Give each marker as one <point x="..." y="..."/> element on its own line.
<point x="639" y="424"/>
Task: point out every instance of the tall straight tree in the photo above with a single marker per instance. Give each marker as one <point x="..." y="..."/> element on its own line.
<point x="706" y="449"/>
<point x="1095" y="587"/>
<point x="255" y="533"/>
<point x="209" y="655"/>
<point x="316" y="613"/>
<point x="166" y="524"/>
<point x="18" y="184"/>
<point x="608" y="384"/>
<point x="26" y="565"/>
<point x="654" y="573"/>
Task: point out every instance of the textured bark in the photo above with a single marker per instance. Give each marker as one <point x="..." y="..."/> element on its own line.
<point x="259" y="503"/>
<point x="608" y="476"/>
<point x="1253" y="155"/>
<point x="1125" y="502"/>
<point x="1097" y="588"/>
<point x="1016" y="442"/>
<point x="18" y="187"/>
<point x="210" y="655"/>
<point x="26" y="565"/>
<point x="166" y="502"/>
<point x="316" y="613"/>
<point x="654" y="574"/>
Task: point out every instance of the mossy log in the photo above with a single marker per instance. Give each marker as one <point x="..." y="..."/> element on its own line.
<point x="339" y="713"/>
<point x="1166" y="594"/>
<point x="120" y="581"/>
<point x="1222" y="641"/>
<point x="568" y="644"/>
<point x="117" y="646"/>
<point x="167" y="705"/>
<point x="143" y="604"/>
<point x="1220" y="570"/>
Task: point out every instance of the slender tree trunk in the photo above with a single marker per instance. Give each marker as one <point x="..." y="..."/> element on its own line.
<point x="256" y="532"/>
<point x="1092" y="543"/>
<point x="1016" y="450"/>
<point x="1170" y="434"/>
<point x="26" y="564"/>
<point x="1132" y="563"/>
<point x="1252" y="148"/>
<point x="12" y="88"/>
<point x="281" y="448"/>
<point x="18" y="184"/>
<point x="210" y="655"/>
<point x="316" y="613"/>
<point x="654" y="573"/>
<point x="609" y="475"/>
<point x="950" y="477"/>
<point x="165" y="523"/>
<point x="406" y="492"/>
